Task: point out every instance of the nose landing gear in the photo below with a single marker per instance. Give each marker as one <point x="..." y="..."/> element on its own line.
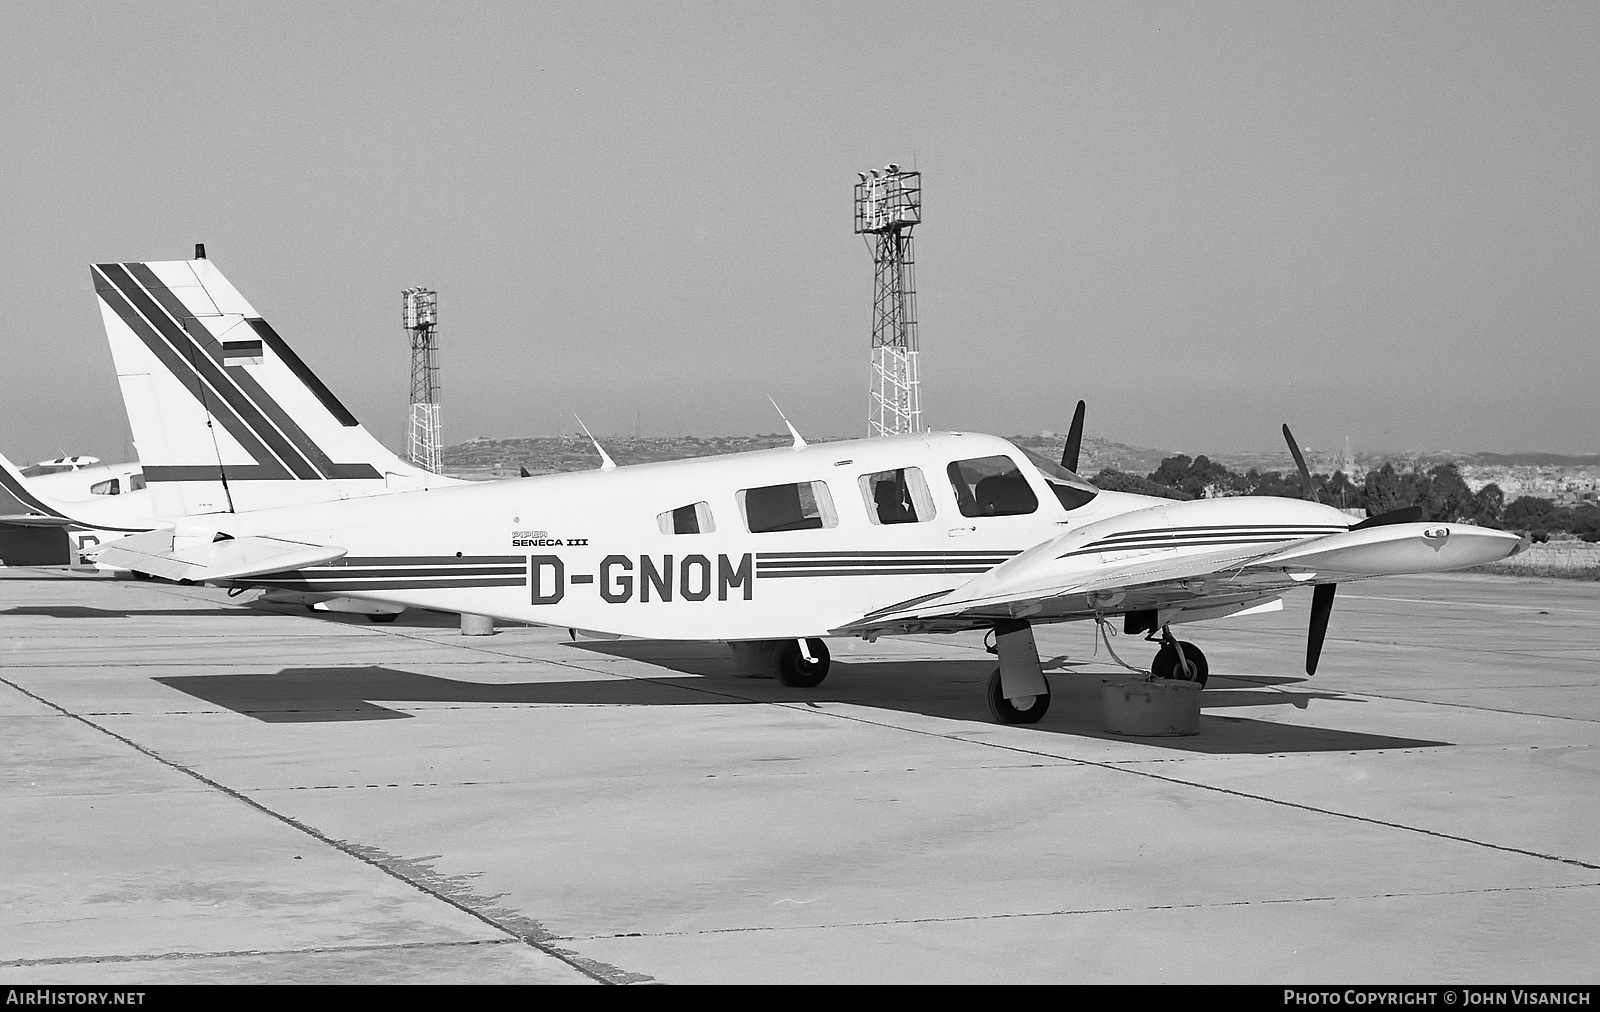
<point x="1179" y="660"/>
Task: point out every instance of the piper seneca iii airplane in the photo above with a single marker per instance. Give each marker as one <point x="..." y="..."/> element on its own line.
<point x="771" y="551"/>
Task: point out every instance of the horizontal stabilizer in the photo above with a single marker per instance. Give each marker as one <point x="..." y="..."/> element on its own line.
<point x="230" y="559"/>
<point x="37" y="520"/>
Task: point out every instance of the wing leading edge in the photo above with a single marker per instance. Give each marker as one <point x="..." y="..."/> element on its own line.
<point x="1191" y="561"/>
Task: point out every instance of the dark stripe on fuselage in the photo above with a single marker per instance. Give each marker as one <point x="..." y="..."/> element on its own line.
<point x="431" y="560"/>
<point x="869" y="563"/>
<point x="329" y="586"/>
<point x="1002" y="553"/>
<point x="398" y="572"/>
<point x="800" y="574"/>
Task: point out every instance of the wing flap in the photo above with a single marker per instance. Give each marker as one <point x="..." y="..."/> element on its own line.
<point x="216" y="561"/>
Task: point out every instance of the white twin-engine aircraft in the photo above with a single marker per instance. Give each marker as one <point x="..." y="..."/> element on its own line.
<point x="770" y="551"/>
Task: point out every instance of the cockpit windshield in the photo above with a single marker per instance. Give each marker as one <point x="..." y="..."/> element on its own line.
<point x="1072" y="490"/>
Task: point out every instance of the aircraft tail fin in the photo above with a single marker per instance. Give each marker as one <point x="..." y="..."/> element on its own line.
<point x="225" y="415"/>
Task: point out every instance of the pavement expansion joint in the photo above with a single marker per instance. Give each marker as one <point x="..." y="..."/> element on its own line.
<point x="1487" y="709"/>
<point x="235" y="953"/>
<point x="1178" y="781"/>
<point x="363" y="787"/>
<point x="1083" y="911"/>
<point x="515" y="925"/>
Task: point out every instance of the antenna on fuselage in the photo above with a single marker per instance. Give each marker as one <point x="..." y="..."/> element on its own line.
<point x="606" y="463"/>
<point x="799" y="443"/>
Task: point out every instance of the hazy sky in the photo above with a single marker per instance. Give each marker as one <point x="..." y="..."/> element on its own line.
<point x="1379" y="220"/>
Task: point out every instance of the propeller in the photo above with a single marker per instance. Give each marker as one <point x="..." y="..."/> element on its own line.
<point x="1403" y="515"/>
<point x="1069" y="453"/>
<point x="1322" y="593"/>
<point x="1321" y="608"/>
<point x="1300" y="462"/>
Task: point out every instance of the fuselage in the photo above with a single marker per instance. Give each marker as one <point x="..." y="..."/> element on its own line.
<point x="765" y="545"/>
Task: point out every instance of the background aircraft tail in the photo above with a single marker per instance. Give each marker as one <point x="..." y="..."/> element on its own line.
<point x="226" y="417"/>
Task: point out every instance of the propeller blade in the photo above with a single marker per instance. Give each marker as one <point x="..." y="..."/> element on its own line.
<point x="1069" y="453"/>
<point x="1321" y="608"/>
<point x="1403" y="515"/>
<point x="523" y="469"/>
<point x="1300" y="462"/>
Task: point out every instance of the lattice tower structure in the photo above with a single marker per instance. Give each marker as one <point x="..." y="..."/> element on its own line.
<point x="888" y="207"/>
<point x="419" y="309"/>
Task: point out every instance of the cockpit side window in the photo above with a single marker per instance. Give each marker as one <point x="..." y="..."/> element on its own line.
<point x="692" y="519"/>
<point x="135" y="481"/>
<point x="108" y="487"/>
<point x="1072" y="490"/>
<point x="991" y="487"/>
<point x="801" y="506"/>
<point x="900" y="496"/>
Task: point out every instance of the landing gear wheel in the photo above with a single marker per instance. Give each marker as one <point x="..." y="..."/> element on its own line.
<point x="389" y="616"/>
<point x="1026" y="710"/>
<point x="797" y="672"/>
<point x="1166" y="663"/>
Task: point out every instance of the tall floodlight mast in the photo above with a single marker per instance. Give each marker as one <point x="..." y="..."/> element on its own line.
<point x="888" y="206"/>
<point x="419" y="309"/>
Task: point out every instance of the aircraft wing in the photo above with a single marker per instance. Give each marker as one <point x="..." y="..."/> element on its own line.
<point x="1068" y="578"/>
<point x="158" y="554"/>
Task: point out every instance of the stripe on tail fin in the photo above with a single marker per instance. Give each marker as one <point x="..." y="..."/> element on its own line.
<point x="227" y="418"/>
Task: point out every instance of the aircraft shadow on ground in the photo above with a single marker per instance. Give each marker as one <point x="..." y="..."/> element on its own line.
<point x="951" y="689"/>
<point x="81" y="611"/>
<point x="411" y="618"/>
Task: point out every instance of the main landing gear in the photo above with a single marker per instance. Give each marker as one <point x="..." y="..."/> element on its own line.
<point x="803" y="665"/>
<point x="1017" y="692"/>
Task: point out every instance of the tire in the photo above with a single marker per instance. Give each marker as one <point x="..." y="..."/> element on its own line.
<point x="797" y="672"/>
<point x="1008" y="712"/>
<point x="1166" y="663"/>
<point x="385" y="617"/>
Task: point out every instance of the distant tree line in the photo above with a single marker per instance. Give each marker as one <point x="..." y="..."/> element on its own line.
<point x="1440" y="491"/>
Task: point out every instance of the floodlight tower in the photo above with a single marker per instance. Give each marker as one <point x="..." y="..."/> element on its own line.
<point x="419" y="310"/>
<point x="888" y="206"/>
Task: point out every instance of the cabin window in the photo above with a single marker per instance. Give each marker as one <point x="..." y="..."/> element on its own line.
<point x="802" y="506"/>
<point x="108" y="487"/>
<point x="136" y="481"/>
<point x="897" y="497"/>
<point x="692" y="519"/>
<point x="991" y="487"/>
